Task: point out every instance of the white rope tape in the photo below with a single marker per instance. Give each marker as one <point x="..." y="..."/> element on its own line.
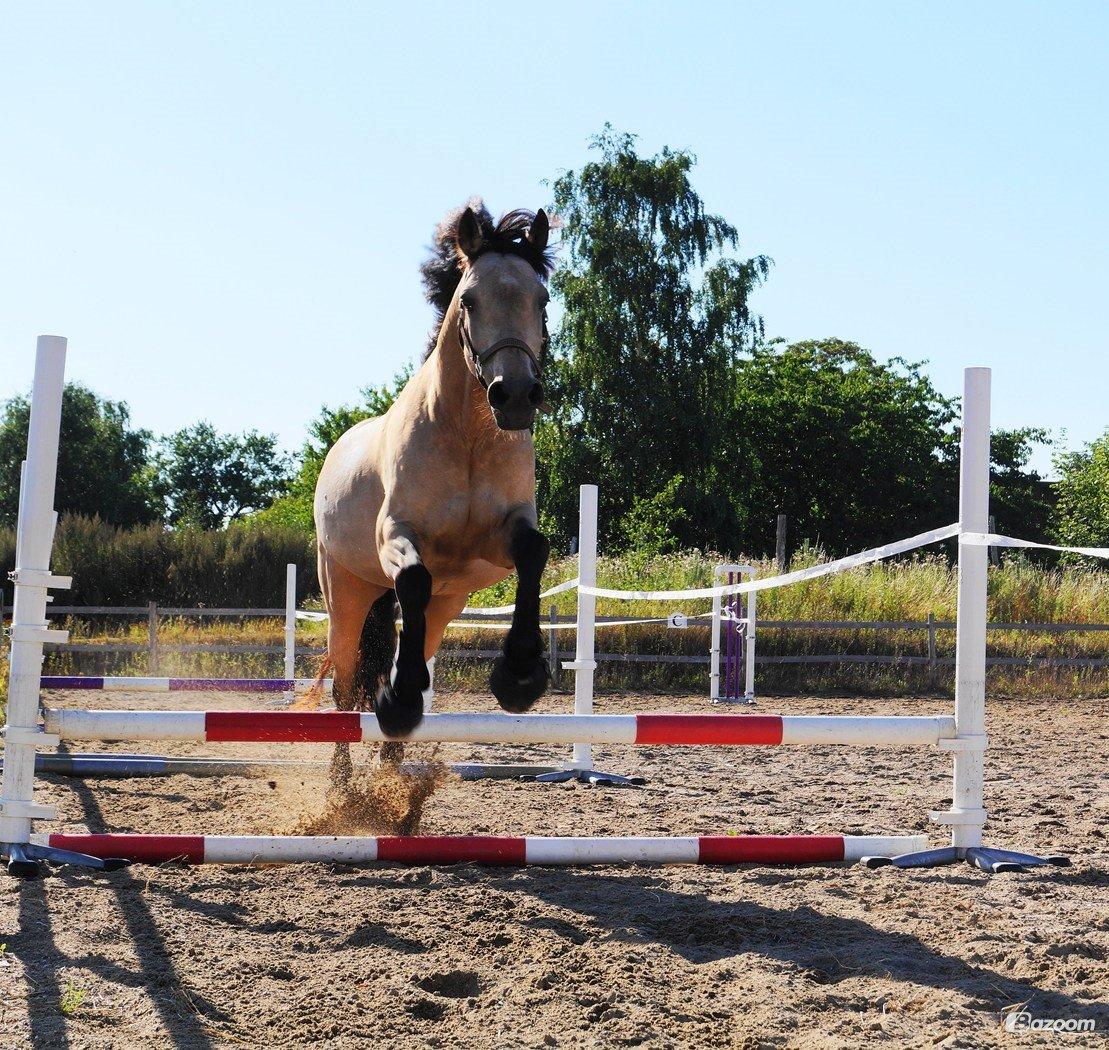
<point x="497" y="610"/>
<point x="502" y="610"/>
<point x="990" y="539"/>
<point x="468" y="625"/>
<point x="813" y="572"/>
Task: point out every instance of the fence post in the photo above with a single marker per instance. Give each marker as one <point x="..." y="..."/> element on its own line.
<point x="932" y="649"/>
<point x="780" y="544"/>
<point x="995" y="554"/>
<point x="749" y="648"/>
<point x="290" y="626"/>
<point x="554" y="647"/>
<point x="584" y="659"/>
<point x="152" y="639"/>
<point x="967" y="810"/>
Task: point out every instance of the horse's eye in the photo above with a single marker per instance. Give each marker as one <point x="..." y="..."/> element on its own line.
<point x="468" y="302"/>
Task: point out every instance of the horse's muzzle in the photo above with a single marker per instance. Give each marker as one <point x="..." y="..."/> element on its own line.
<point x="515" y="402"/>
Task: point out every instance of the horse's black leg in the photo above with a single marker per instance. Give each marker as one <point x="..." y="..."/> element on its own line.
<point x="400" y="702"/>
<point x="521" y="674"/>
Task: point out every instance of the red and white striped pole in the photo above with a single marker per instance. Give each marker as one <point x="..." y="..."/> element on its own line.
<point x="501" y="728"/>
<point x="493" y="850"/>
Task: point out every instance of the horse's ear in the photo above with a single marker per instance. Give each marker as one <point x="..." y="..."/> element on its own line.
<point x="539" y="231"/>
<point x="468" y="237"/>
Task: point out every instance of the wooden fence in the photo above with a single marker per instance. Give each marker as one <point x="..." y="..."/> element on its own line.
<point x="152" y="613"/>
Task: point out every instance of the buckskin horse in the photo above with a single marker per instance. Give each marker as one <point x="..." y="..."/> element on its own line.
<point x="435" y="499"/>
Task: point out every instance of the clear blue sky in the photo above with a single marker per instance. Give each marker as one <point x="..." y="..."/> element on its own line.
<point x="223" y="205"/>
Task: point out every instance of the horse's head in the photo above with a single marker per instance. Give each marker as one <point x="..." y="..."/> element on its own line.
<point x="501" y="305"/>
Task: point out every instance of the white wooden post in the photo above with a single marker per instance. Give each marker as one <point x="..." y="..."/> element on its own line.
<point x="967" y="812"/>
<point x="584" y="663"/>
<point x="290" y="626"/>
<point x="718" y="606"/>
<point x="749" y="647"/>
<point x="32" y="577"/>
<point x="714" y="648"/>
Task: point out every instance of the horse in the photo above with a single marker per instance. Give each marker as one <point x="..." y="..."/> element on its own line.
<point x="435" y="499"/>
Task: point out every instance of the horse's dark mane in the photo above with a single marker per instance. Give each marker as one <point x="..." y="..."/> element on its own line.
<point x="443" y="269"/>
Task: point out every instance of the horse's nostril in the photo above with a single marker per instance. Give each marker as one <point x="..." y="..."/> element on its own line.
<point x="498" y="395"/>
<point x="535" y="394"/>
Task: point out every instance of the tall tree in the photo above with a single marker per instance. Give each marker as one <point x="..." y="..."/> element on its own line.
<point x="209" y="479"/>
<point x="854" y="451"/>
<point x="103" y="463"/>
<point x="1082" y="513"/>
<point x="655" y="314"/>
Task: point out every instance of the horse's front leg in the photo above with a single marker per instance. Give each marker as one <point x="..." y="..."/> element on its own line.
<point x="521" y="674"/>
<point x="399" y="704"/>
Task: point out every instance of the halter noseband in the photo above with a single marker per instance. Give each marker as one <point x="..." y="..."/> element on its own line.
<point x="478" y="360"/>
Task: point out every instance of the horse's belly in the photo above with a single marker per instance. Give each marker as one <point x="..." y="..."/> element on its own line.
<point x="458" y="576"/>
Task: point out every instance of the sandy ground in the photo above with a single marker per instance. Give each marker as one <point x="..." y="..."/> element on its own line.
<point x="673" y="957"/>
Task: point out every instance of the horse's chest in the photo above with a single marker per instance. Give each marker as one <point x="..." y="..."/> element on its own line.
<point x="459" y="519"/>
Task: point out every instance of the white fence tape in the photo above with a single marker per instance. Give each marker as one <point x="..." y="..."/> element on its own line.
<point x="497" y="610"/>
<point x="469" y="625"/>
<point x="813" y="572"/>
<point x="990" y="539"/>
<point x="502" y="610"/>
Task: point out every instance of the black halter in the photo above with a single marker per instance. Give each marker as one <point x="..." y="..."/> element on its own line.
<point x="477" y="360"/>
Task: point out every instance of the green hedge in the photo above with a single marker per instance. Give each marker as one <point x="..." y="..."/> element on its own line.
<point x="239" y="567"/>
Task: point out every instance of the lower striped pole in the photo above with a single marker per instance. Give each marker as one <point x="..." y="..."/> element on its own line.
<point x="492" y="850"/>
<point x="498" y="728"/>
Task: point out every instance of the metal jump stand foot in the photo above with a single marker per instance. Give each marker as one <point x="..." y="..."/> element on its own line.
<point x="591" y="777"/>
<point x="25" y="859"/>
<point x="747" y="700"/>
<point x="986" y="858"/>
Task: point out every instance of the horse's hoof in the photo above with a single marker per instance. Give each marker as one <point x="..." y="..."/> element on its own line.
<point x="515" y="693"/>
<point x="398" y="714"/>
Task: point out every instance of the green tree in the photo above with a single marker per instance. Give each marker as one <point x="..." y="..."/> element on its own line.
<point x="209" y="479"/>
<point x="655" y="314"/>
<point x="852" y="450"/>
<point x="1082" y="512"/>
<point x="1021" y="501"/>
<point x="294" y="507"/>
<point x="103" y="463"/>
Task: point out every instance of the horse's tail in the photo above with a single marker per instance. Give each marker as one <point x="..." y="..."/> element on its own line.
<point x="379" y="642"/>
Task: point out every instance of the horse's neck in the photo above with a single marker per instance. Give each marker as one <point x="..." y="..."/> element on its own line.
<point x="456" y="401"/>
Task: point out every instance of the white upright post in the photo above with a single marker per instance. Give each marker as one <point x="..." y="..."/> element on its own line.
<point x="967" y="812"/>
<point x="290" y="626"/>
<point x="32" y="578"/>
<point x="714" y="648"/>
<point x="749" y="647"/>
<point x="584" y="662"/>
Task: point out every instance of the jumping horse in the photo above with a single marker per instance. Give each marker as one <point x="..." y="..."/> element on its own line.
<point x="435" y="499"/>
